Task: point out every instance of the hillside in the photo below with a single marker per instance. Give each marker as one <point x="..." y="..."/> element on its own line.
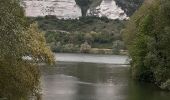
<point x="97" y="31"/>
<point x="71" y="34"/>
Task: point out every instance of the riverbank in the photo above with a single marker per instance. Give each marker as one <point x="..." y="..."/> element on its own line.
<point x="97" y="51"/>
<point x="92" y="58"/>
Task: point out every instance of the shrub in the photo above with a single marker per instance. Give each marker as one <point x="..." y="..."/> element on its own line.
<point x="56" y="47"/>
<point x="88" y="38"/>
<point x="68" y="48"/>
<point x="166" y="85"/>
<point x="117" y="46"/>
<point x="85" y="48"/>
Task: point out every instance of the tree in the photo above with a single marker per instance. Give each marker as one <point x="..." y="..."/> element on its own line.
<point x="147" y="37"/>
<point x="85" y="48"/>
<point x="89" y="38"/>
<point x="117" y="46"/>
<point x="19" y="78"/>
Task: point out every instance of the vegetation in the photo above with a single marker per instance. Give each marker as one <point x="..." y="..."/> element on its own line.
<point x="83" y="24"/>
<point x="19" y="77"/>
<point x="147" y="36"/>
<point x="67" y="35"/>
<point x="85" y="48"/>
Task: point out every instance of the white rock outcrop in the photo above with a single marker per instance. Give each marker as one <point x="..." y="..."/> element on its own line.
<point x="69" y="9"/>
<point x="109" y="9"/>
<point x="59" y="8"/>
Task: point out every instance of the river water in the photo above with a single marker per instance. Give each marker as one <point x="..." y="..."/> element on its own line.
<point x="92" y="77"/>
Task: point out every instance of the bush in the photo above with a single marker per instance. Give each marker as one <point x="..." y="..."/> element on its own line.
<point x="69" y="48"/>
<point x="117" y="46"/>
<point x="166" y="85"/>
<point x="101" y="51"/>
<point x="88" y="38"/>
<point x="56" y="47"/>
<point x="85" y="48"/>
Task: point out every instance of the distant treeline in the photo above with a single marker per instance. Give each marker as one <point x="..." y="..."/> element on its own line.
<point x="69" y="35"/>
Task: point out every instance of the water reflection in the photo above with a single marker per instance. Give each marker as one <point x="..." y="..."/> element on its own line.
<point x="91" y="58"/>
<point x="145" y="91"/>
<point x="82" y="81"/>
<point x="59" y="87"/>
<point x="90" y="81"/>
<point x="108" y="92"/>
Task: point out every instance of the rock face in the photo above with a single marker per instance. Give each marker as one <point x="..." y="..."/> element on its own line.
<point x="129" y="6"/>
<point x="109" y="9"/>
<point x="69" y="9"/>
<point x="59" y="8"/>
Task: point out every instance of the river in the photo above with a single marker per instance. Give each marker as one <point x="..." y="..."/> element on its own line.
<point x="94" y="77"/>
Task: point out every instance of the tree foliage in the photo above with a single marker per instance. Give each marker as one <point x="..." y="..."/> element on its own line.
<point x="147" y="36"/>
<point x="19" y="77"/>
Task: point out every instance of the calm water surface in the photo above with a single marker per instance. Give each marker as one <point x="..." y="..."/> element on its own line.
<point x="89" y="80"/>
<point x="91" y="58"/>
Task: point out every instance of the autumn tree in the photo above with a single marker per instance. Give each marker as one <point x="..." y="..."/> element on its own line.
<point x="20" y="77"/>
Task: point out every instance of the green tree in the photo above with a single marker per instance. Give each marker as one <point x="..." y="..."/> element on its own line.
<point x="147" y="37"/>
<point x="19" y="77"/>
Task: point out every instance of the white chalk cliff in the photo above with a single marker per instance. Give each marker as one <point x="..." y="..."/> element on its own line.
<point x="109" y="9"/>
<point x="59" y="8"/>
<point x="69" y="9"/>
